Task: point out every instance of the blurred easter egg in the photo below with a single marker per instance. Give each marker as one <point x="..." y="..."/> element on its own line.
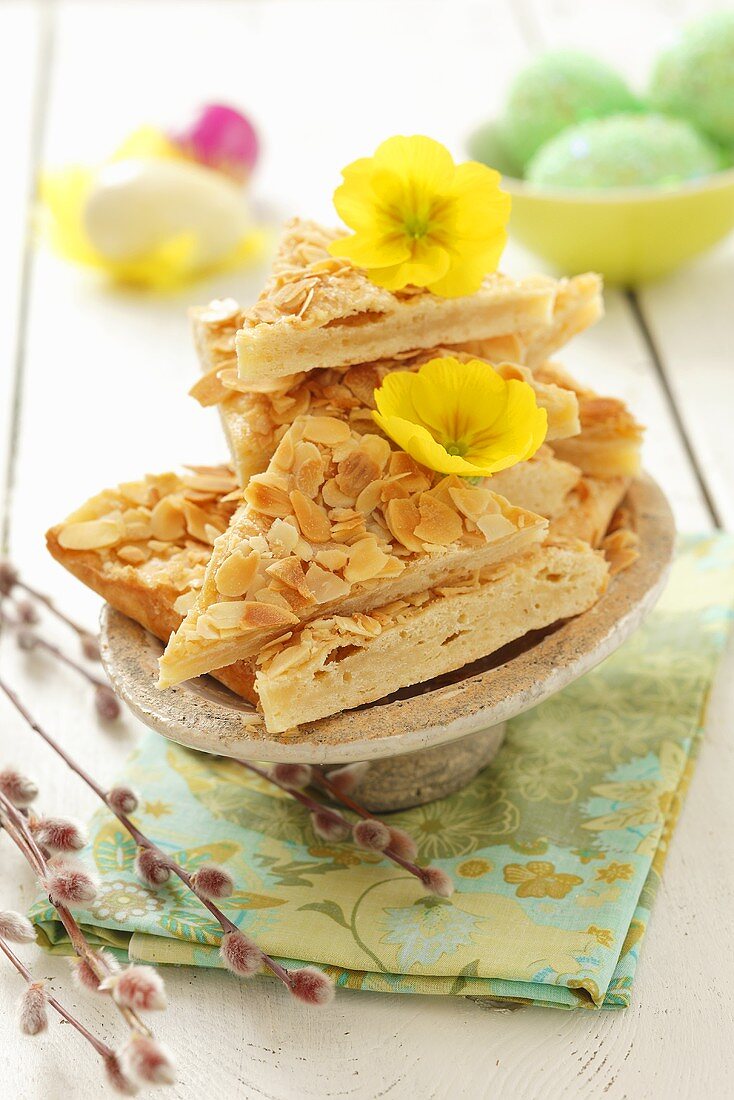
<point x="625" y="151"/>
<point x="221" y="138"/>
<point x="557" y="90"/>
<point x="694" y="79"/>
<point x="134" y="206"/>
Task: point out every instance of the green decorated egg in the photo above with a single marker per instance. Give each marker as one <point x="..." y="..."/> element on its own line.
<point x="559" y="90"/>
<point x="625" y="151"/>
<point x="694" y="79"/>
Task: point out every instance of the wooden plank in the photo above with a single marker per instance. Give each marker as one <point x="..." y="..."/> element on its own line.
<point x="20" y="45"/>
<point x="691" y="322"/>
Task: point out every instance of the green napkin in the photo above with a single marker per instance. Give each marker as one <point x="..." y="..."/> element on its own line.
<point x="556" y="849"/>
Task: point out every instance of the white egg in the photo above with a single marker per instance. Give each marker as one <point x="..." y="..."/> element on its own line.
<point x="136" y="205"/>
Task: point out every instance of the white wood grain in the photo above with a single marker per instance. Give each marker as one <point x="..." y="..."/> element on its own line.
<point x="105" y="399"/>
<point x="19" y="42"/>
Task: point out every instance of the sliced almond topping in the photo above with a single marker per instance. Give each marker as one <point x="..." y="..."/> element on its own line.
<point x="473" y="502"/>
<point x="312" y="519"/>
<point x="356" y="472"/>
<point x="288" y="658"/>
<point x="183" y="603"/>
<point x="370" y="497"/>
<point x="439" y="524"/>
<point x="402" y="518"/>
<point x="284" y="453"/>
<point x="325" y="586"/>
<point x="495" y="526"/>
<point x="137" y="492"/>
<point x="93" y="534"/>
<point x="133" y="555"/>
<point x="417" y="480"/>
<point x="209" y="390"/>
<point x="332" y="559"/>
<point x="198" y="523"/>
<point x="227" y="615"/>
<point x="366" y="560"/>
<point x="325" y="429"/>
<point x="235" y="574"/>
<point x="267" y="499"/>
<point x="334" y="497"/>
<point x="309" y="468"/>
<point x="377" y="448"/>
<point x="283" y="535"/>
<point x="266" y="615"/>
<point x="289" y="572"/>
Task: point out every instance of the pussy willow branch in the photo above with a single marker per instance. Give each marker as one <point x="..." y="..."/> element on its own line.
<point x="17" y="582"/>
<point x="319" y="807"/>
<point x="17" y="829"/>
<point x="139" y="837"/>
<point x="101" y="1047"/>
<point x="323" y="780"/>
<point x="38" y="640"/>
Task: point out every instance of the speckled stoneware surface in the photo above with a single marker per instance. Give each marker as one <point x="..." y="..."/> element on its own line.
<point x="460" y="708"/>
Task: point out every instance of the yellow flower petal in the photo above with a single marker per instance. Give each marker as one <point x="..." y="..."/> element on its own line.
<point x="418" y="219"/>
<point x="462" y="418"/>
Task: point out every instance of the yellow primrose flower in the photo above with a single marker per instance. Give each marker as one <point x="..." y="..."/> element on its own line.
<point x="421" y="220"/>
<point x="461" y="418"/>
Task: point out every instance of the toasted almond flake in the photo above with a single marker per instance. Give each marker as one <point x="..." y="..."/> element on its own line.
<point x="284" y="453"/>
<point x="287" y="659"/>
<point x="209" y="390"/>
<point x="267" y="499"/>
<point x="325" y="586"/>
<point x="334" y="497"/>
<point x="495" y="526"/>
<point x="283" y="535"/>
<point x="183" y="603"/>
<point x="393" y="567"/>
<point x="133" y="555"/>
<point x="416" y="480"/>
<point x="308" y="468"/>
<point x="473" y="502"/>
<point x="289" y="572"/>
<point x="326" y="430"/>
<point x="377" y="448"/>
<point x="93" y="534"/>
<point x="303" y="550"/>
<point x="439" y="525"/>
<point x="235" y="574"/>
<point x="366" y="560"/>
<point x="356" y="472"/>
<point x="370" y="497"/>
<point x="208" y="483"/>
<point x="312" y="519"/>
<point x="402" y="518"/>
<point x="332" y="559"/>
<point x="137" y="492"/>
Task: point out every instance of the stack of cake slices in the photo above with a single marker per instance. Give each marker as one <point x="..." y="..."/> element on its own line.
<point x="325" y="568"/>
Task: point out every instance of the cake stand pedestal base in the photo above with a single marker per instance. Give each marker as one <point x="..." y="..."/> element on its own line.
<point x="399" y="782"/>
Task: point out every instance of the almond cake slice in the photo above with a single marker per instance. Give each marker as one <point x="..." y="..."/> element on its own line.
<point x="338" y="521"/>
<point x="320" y="311"/>
<point x="341" y="662"/>
<point x="253" y="417"/>
<point x="154" y="577"/>
<point x="145" y="545"/>
<point x="610" y="440"/>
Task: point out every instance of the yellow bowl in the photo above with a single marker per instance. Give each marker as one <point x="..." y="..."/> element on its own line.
<point x="628" y="234"/>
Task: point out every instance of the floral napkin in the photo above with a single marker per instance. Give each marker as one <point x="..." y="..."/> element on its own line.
<point x="556" y="848"/>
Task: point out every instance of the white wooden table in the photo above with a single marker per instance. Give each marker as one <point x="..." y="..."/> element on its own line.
<point x="93" y="390"/>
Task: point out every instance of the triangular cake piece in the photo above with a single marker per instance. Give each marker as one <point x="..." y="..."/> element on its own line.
<point x="335" y="664"/>
<point x="254" y="418"/>
<point x="338" y="522"/>
<point x="610" y="441"/>
<point x="318" y="311"/>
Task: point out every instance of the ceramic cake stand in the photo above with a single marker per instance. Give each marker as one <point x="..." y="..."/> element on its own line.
<point x="422" y="742"/>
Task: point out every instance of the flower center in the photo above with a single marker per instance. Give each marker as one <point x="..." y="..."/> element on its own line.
<point x="415" y="227"/>
<point x="459" y="449"/>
